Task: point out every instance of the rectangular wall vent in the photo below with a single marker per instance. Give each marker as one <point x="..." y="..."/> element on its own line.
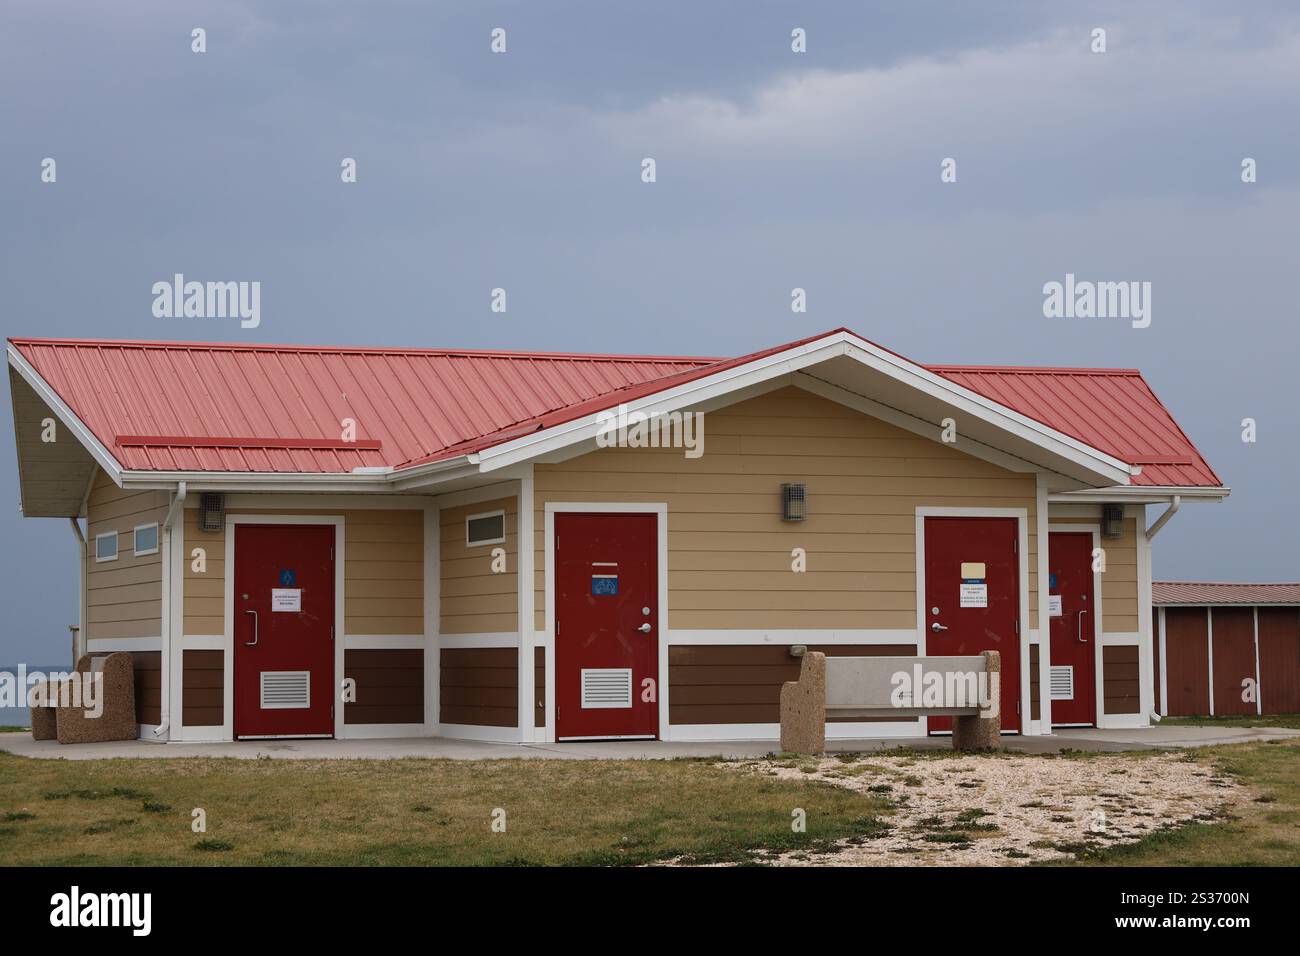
<point x="283" y="690"/>
<point x="1060" y="680"/>
<point x="606" y="687"/>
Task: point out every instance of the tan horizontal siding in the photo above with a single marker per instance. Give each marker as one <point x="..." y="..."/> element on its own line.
<point x="729" y="551"/>
<point x="474" y="599"/>
<point x="383" y="571"/>
<point x="124" y="596"/>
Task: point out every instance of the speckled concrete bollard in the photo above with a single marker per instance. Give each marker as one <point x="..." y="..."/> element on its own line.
<point x="117" y="721"/>
<point x="983" y="731"/>
<point x="803" y="708"/>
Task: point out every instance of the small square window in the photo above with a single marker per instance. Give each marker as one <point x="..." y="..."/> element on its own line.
<point x="106" y="546"/>
<point x="146" y="539"/>
<point x="487" y="528"/>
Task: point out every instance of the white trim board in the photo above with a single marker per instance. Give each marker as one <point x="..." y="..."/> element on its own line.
<point x="772" y="732"/>
<point x="100" y="645"/>
<point x="380" y="731"/>
<point x="384" y="642"/>
<point x="202" y="642"/>
<point x="788" y="636"/>
<point x="499" y="735"/>
<point x="451" y="642"/>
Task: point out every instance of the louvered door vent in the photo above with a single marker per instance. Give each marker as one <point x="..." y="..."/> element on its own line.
<point x="606" y="687"/>
<point x="1061" y="682"/>
<point x="282" y="690"/>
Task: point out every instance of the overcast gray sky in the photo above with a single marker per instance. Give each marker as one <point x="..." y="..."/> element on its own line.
<point x="775" y="170"/>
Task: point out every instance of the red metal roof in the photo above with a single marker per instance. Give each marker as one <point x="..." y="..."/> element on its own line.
<point x="1113" y="410"/>
<point x="254" y="397"/>
<point x="281" y="408"/>
<point x="1198" y="593"/>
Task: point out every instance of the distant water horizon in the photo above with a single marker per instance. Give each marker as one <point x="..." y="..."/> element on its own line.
<point x="22" y="716"/>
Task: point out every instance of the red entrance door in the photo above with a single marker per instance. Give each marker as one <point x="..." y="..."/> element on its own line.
<point x="1073" y="616"/>
<point x="284" y="630"/>
<point x="972" y="599"/>
<point x="606" y="626"/>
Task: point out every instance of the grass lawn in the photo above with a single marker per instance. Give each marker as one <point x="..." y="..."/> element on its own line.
<point x="407" y="812"/>
<point x="558" y="812"/>
<point x="1266" y="832"/>
<point x="6" y="729"/>
<point x="1289" y="721"/>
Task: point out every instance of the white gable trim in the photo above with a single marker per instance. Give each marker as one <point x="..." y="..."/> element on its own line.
<point x="793" y="360"/>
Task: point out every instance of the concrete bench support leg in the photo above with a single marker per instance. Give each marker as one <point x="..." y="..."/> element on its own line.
<point x="803" y="708"/>
<point x="983" y="731"/>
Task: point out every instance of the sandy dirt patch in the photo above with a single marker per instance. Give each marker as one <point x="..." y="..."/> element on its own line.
<point x="1006" y="809"/>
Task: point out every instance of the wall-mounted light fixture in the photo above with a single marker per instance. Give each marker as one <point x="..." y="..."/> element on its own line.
<point x="1112" y="521"/>
<point x="794" y="502"/>
<point x="212" y="511"/>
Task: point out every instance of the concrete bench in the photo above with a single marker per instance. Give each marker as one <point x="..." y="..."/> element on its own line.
<point x="865" y="687"/>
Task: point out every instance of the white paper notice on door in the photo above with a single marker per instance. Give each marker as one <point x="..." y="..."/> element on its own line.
<point x="1053" y="605"/>
<point x="974" y="593"/>
<point x="286" y="599"/>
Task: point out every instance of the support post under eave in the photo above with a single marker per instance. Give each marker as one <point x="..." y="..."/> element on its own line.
<point x="79" y="638"/>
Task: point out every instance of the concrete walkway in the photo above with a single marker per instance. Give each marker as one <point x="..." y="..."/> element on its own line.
<point x="1154" y="738"/>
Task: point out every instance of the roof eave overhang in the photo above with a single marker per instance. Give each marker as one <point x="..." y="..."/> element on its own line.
<point x="103" y="457"/>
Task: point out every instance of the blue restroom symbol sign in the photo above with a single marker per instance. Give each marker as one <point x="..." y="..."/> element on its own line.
<point x="288" y="578"/>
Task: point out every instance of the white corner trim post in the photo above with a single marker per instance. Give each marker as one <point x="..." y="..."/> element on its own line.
<point x="1146" y="669"/>
<point x="1043" y="528"/>
<point x="171" y="557"/>
<point x="524" y="559"/>
<point x="432" y="616"/>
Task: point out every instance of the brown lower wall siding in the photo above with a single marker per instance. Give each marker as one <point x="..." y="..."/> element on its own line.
<point x="539" y="686"/>
<point x="148" y="686"/>
<point x="390" y="686"/>
<point x="1121" y="686"/>
<point x="203" y="691"/>
<point x="147" y="668"/>
<point x="721" y="684"/>
<point x="1034" y="689"/>
<point x="479" y="686"/>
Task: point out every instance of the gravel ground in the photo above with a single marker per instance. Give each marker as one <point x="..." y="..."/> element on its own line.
<point x="1007" y="809"/>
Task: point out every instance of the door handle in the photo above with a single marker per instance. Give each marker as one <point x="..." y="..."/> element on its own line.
<point x="937" y="627"/>
<point x="644" y="628"/>
<point x="1082" y="639"/>
<point x="253" y="642"/>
